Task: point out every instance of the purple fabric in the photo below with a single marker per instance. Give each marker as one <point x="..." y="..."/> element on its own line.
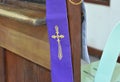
<point x="56" y="14"/>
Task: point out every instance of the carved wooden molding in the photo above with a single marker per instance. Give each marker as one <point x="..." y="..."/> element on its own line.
<point x="23" y="15"/>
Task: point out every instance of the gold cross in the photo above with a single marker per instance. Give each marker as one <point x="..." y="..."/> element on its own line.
<point x="58" y="37"/>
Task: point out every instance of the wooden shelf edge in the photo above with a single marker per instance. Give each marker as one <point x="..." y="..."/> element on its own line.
<point x="29" y="47"/>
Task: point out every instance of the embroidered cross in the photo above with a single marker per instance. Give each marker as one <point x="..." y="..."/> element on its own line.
<point x="58" y="37"/>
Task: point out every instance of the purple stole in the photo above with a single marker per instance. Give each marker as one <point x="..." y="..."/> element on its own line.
<point x="58" y="33"/>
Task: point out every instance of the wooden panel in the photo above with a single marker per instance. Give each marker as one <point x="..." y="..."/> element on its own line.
<point x="2" y="65"/>
<point x="75" y="36"/>
<point x="25" y="40"/>
<point x="21" y="70"/>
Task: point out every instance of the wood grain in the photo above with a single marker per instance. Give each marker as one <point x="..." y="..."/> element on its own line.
<point x="23" y="15"/>
<point x="2" y="65"/>
<point x="27" y="5"/>
<point x="26" y="41"/>
<point x="21" y="70"/>
<point x="75" y="36"/>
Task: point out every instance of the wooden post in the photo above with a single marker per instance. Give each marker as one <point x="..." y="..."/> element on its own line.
<point x="74" y="17"/>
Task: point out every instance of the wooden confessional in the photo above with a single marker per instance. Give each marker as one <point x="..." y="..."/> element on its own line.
<point x="24" y="47"/>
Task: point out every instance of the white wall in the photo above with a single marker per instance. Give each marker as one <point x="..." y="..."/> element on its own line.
<point x="100" y="22"/>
